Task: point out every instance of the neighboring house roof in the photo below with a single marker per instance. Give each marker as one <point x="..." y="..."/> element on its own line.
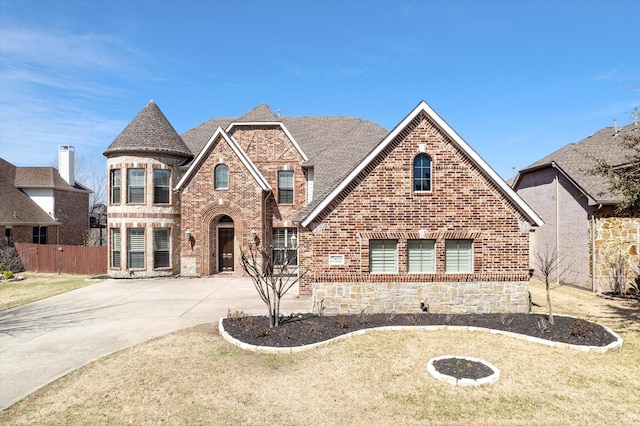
<point x="576" y="159"/>
<point x="312" y="210"/>
<point x="195" y="166"/>
<point x="150" y="132"/>
<point x="16" y="208"/>
<point x="44" y="177"/>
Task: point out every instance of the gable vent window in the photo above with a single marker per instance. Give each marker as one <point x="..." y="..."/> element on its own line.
<point x="221" y="177"/>
<point x="285" y="187"/>
<point x="422" y="173"/>
<point x="383" y="256"/>
<point x="459" y="256"/>
<point x="135" y="183"/>
<point x="161" y="179"/>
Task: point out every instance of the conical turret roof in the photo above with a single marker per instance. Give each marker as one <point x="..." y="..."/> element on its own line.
<point x="151" y="132"/>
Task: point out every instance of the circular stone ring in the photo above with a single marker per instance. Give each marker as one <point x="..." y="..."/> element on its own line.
<point x="463" y="371"/>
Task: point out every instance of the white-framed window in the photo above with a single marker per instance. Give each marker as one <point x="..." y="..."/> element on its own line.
<point x="422" y="173"/>
<point x="421" y="256"/>
<point x="285" y="187"/>
<point x="383" y="256"/>
<point x="135" y="186"/>
<point x="161" y="186"/>
<point x="115" y="186"/>
<point x="285" y="246"/>
<point x="221" y="177"/>
<point x="459" y="256"/>
<point x="135" y="242"/>
<point x="115" y="248"/>
<point x="161" y="247"/>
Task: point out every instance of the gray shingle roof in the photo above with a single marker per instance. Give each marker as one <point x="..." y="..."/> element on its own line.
<point x="43" y="177"/>
<point x="151" y="132"/>
<point x="335" y="145"/>
<point x="16" y="208"/>
<point x="574" y="159"/>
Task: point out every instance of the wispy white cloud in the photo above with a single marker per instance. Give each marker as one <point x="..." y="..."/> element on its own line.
<point x="57" y="87"/>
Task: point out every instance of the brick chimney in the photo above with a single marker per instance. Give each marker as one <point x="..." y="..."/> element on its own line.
<point x="66" y="163"/>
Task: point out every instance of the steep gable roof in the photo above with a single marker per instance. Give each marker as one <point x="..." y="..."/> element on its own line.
<point x="195" y="165"/>
<point x="16" y="208"/>
<point x="149" y="131"/>
<point x="575" y="160"/>
<point x="311" y="211"/>
<point x="331" y="144"/>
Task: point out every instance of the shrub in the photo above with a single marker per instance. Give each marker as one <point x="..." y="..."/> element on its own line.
<point x="342" y="322"/>
<point x="9" y="258"/>
<point x="506" y="318"/>
<point x="7" y="275"/>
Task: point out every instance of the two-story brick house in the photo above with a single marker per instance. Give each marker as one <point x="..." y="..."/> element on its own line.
<point x="379" y="220"/>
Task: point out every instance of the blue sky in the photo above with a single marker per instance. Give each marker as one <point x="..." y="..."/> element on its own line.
<point x="516" y="79"/>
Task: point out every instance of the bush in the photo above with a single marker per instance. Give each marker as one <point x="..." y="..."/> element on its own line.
<point x="7" y="274"/>
<point x="9" y="259"/>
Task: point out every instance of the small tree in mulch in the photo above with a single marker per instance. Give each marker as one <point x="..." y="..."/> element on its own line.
<point x="272" y="277"/>
<point x="550" y="263"/>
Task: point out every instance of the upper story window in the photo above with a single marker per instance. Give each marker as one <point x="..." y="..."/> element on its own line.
<point x="115" y="186"/>
<point x="221" y="177"/>
<point x="135" y="184"/>
<point x="161" y="185"/>
<point x="459" y="256"/>
<point x="421" y="255"/>
<point x="422" y="173"/>
<point x="285" y="187"/>
<point x="383" y="256"/>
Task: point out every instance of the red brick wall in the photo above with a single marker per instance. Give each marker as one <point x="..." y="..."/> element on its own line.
<point x="382" y="204"/>
<point x="270" y="150"/>
<point x="72" y="210"/>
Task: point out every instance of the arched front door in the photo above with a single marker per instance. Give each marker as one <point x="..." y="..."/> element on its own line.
<point x="225" y="244"/>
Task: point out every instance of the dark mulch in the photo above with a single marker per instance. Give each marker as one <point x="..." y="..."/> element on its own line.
<point x="304" y="329"/>
<point x="461" y="368"/>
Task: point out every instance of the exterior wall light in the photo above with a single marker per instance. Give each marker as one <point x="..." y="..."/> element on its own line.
<point x="187" y="233"/>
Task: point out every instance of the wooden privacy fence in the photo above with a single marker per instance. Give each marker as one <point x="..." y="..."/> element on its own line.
<point x="63" y="259"/>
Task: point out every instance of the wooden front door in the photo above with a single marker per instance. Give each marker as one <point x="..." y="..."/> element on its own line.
<point x="225" y="249"/>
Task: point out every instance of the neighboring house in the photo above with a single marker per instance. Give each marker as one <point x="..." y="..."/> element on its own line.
<point x="41" y="205"/>
<point x="595" y="241"/>
<point x="379" y="220"/>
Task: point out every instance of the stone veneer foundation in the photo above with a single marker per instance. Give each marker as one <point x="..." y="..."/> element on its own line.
<point x="405" y="297"/>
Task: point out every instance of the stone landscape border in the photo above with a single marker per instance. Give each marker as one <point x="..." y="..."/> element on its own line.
<point x="489" y="380"/>
<point x="617" y="344"/>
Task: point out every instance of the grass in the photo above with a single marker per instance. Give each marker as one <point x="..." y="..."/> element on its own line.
<point x="37" y="286"/>
<point x="194" y="377"/>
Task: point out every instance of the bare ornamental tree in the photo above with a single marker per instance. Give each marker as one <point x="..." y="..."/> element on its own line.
<point x="272" y="276"/>
<point x="550" y="263"/>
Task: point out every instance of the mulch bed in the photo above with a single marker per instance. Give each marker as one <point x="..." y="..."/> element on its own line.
<point x="461" y="368"/>
<point x="304" y="329"/>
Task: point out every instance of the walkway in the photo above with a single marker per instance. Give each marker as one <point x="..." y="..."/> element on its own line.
<point x="45" y="340"/>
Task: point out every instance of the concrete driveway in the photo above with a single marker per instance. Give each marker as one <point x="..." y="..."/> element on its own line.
<point x="45" y="340"/>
